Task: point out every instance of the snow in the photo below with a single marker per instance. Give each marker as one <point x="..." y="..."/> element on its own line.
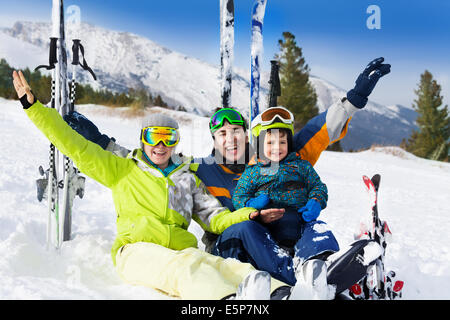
<point x="413" y="199"/>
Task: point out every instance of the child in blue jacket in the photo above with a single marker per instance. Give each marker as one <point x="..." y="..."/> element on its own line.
<point x="278" y="178"/>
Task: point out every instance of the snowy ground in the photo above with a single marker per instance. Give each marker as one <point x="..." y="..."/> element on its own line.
<point x="414" y="198"/>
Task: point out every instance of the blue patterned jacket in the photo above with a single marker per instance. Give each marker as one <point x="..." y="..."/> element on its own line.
<point x="291" y="183"/>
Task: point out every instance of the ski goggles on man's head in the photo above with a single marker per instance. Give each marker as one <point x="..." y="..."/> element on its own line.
<point x="232" y="116"/>
<point x="270" y="115"/>
<point x="153" y="135"/>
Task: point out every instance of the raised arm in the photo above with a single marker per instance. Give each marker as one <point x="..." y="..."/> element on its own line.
<point x="332" y="124"/>
<point x="89" y="130"/>
<point x="90" y="158"/>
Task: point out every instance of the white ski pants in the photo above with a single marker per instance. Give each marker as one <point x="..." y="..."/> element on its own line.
<point x="188" y="274"/>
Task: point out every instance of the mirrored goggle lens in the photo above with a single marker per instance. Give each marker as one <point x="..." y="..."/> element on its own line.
<point x="270" y="114"/>
<point x="152" y="136"/>
<point x="232" y="116"/>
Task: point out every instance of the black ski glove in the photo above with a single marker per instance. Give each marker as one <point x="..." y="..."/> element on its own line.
<point x="366" y="82"/>
<point x="24" y="101"/>
<point x="86" y="128"/>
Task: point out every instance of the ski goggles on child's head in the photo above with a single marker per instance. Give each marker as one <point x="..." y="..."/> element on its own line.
<point x="270" y="115"/>
<point x="231" y="115"/>
<point x="153" y="135"/>
<point x="273" y="118"/>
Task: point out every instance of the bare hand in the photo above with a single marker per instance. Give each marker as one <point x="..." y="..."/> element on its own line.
<point x="22" y="87"/>
<point x="268" y="215"/>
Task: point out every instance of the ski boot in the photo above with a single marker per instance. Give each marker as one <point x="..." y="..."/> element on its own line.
<point x="255" y="286"/>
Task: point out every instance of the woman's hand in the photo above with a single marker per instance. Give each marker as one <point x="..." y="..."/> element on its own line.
<point x="22" y="87"/>
<point x="268" y="215"/>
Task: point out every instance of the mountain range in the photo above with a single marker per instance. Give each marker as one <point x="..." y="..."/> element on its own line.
<point x="123" y="60"/>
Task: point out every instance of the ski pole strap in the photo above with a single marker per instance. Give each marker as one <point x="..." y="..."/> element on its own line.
<point x="76" y="48"/>
<point x="52" y="56"/>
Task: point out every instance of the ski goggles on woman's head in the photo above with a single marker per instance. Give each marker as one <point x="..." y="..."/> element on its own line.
<point x="270" y="115"/>
<point x="153" y="135"/>
<point x="231" y="115"/>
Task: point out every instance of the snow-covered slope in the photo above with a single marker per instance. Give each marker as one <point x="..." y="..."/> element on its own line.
<point x="413" y="198"/>
<point x="122" y="60"/>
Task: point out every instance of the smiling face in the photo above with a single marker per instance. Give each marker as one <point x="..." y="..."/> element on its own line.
<point x="159" y="154"/>
<point x="230" y="141"/>
<point x="276" y="145"/>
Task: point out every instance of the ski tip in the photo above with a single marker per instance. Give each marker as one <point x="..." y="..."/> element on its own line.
<point x="376" y="181"/>
<point x="367" y="181"/>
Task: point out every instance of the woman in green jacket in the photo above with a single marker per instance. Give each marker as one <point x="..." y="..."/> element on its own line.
<point x="155" y="198"/>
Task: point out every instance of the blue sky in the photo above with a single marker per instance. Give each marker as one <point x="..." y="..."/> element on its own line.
<point x="414" y="35"/>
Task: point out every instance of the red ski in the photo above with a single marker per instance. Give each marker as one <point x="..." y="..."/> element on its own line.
<point x="377" y="284"/>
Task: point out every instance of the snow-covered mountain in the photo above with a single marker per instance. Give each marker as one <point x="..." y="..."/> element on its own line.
<point x="122" y="60"/>
<point x="376" y="124"/>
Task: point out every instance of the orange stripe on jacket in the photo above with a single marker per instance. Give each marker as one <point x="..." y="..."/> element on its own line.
<point x="219" y="192"/>
<point x="319" y="142"/>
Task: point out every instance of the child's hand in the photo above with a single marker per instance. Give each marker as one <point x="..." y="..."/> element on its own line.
<point x="311" y="211"/>
<point x="259" y="202"/>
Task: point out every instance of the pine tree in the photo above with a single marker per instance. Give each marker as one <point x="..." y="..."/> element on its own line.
<point x="6" y="88"/>
<point x="431" y="140"/>
<point x="297" y="93"/>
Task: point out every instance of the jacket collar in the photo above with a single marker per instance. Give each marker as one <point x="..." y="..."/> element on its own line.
<point x="265" y="162"/>
<point x="181" y="164"/>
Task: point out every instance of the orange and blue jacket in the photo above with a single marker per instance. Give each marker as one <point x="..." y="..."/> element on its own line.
<point x="320" y="132"/>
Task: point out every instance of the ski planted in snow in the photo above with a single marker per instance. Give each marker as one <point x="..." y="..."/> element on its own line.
<point x="258" y="12"/>
<point x="377" y="284"/>
<point x="226" y="49"/>
<point x="61" y="182"/>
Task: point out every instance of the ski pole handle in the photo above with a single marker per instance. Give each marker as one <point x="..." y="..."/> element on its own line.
<point x="275" y="87"/>
<point x="75" y="52"/>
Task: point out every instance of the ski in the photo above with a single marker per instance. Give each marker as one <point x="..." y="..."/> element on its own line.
<point x="61" y="175"/>
<point x="48" y="186"/>
<point x="65" y="218"/>
<point x="258" y="12"/>
<point x="73" y="184"/>
<point x="226" y="49"/>
<point x="352" y="264"/>
<point x="377" y="284"/>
